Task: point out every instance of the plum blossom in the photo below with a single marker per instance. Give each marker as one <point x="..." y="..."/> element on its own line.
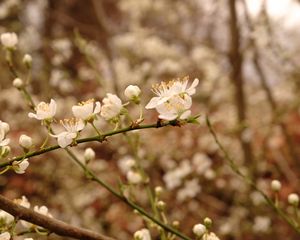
<point x="173" y="99"/>
<point x="175" y="107"/>
<point x="112" y="106"/>
<point x="166" y="90"/>
<point x="20" y="166"/>
<point x="44" y="111"/>
<point x="73" y="126"/>
<point x="87" y="110"/>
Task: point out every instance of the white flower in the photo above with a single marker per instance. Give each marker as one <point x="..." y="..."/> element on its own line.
<point x="3" y="141"/>
<point x="166" y="90"/>
<point x="112" y="106"/>
<point x="134" y="177"/>
<point x="175" y="107"/>
<point x="210" y="236"/>
<point x="18" y="83"/>
<point x="142" y="234"/>
<point x="132" y="92"/>
<point x="6" y="217"/>
<point x="276" y="185"/>
<point x="4" y="126"/>
<point x="20" y="166"/>
<point x="199" y="229"/>
<point x="25" y="141"/>
<point x="9" y="40"/>
<point x="73" y="126"/>
<point x="44" y="111"/>
<point x="89" y="154"/>
<point x="5" y="236"/>
<point x="293" y="199"/>
<point x="86" y="110"/>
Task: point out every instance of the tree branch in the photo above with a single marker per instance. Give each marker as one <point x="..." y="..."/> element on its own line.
<point x="54" y="225"/>
<point x="98" y="138"/>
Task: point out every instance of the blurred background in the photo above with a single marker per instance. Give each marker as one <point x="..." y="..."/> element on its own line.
<point x="246" y="56"/>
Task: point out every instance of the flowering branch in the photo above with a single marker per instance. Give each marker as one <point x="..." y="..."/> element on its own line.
<point x="234" y="167"/>
<point x="100" y="138"/>
<point x="54" y="225"/>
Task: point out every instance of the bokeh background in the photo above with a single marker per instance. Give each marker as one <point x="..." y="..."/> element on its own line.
<point x="246" y="56"/>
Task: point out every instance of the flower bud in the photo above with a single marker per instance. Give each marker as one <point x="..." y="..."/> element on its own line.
<point x="199" y="229"/>
<point x="27" y="60"/>
<point x="9" y="40"/>
<point x="132" y="92"/>
<point x="161" y="205"/>
<point x="293" y="199"/>
<point x="25" y="141"/>
<point x="89" y="155"/>
<point x="18" y="83"/>
<point x="207" y="222"/>
<point x="134" y="177"/>
<point x="158" y="191"/>
<point x="275" y="185"/>
<point x="5" y="151"/>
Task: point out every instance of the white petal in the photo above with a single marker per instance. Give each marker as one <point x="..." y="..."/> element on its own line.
<point x="97" y="107"/>
<point x="52" y="107"/>
<point x="191" y="90"/>
<point x="64" y="139"/>
<point x="4" y="142"/>
<point x="186" y="114"/>
<point x="153" y="103"/>
<point x="32" y="115"/>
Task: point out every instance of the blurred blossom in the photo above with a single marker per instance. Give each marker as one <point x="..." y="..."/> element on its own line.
<point x="261" y="224"/>
<point x="190" y="190"/>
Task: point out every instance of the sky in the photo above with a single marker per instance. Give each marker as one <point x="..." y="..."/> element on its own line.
<point x="287" y="11"/>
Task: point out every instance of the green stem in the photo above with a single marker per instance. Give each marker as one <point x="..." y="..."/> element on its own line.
<point x="91" y="139"/>
<point x="249" y="181"/>
<point x="93" y="177"/>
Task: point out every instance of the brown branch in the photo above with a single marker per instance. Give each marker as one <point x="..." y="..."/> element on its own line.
<point x="51" y="224"/>
<point x="236" y="60"/>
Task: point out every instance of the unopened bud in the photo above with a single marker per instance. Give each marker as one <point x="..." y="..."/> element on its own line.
<point x="25" y="141"/>
<point x="18" y="83"/>
<point x="276" y="185"/>
<point x="207" y="222"/>
<point x="89" y="155"/>
<point x="27" y="60"/>
<point x="133" y="92"/>
<point x="293" y="199"/>
<point x="5" y="151"/>
<point x="199" y="229"/>
<point x="161" y="205"/>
